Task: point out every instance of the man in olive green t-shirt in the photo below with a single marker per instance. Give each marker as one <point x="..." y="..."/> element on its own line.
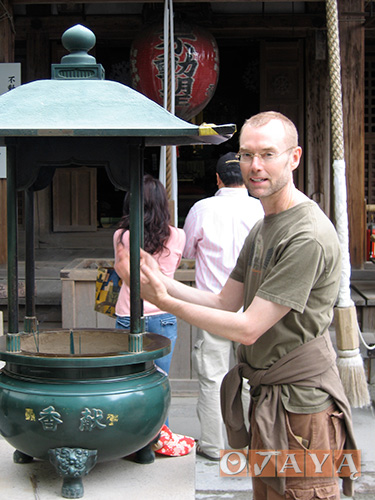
<point x="287" y="279"/>
<point x="292" y="258"/>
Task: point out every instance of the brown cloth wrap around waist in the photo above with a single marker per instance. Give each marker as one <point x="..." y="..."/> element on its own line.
<point x="298" y="367"/>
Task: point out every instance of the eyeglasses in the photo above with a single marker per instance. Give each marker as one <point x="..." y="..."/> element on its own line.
<point x="266" y="157"/>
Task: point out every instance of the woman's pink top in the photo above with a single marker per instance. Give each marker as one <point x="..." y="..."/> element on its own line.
<point x="168" y="260"/>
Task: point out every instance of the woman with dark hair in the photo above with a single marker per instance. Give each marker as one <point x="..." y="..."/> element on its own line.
<point x="166" y="243"/>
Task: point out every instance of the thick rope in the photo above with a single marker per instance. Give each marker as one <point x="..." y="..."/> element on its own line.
<point x="168" y="178"/>
<point x="337" y="130"/>
<point x="349" y="362"/>
<point x="337" y="137"/>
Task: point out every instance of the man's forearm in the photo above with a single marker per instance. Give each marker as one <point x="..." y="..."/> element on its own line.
<point x="191" y="294"/>
<point x="245" y="327"/>
<point x="214" y="320"/>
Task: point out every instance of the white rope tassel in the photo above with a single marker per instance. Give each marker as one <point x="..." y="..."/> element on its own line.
<point x="339" y="182"/>
<point x="349" y="362"/>
<point x="352" y="374"/>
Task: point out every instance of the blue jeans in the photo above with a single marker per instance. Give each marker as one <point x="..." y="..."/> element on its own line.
<point x="162" y="324"/>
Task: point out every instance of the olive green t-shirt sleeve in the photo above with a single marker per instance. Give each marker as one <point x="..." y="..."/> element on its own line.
<point x="287" y="279"/>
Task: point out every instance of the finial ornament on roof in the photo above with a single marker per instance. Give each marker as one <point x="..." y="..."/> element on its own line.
<point x="78" y="40"/>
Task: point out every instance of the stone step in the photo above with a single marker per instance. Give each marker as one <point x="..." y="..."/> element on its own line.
<point x="47" y="292"/>
<point x="165" y="479"/>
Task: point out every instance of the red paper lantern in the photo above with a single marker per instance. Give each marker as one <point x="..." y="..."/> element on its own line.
<point x="196" y="68"/>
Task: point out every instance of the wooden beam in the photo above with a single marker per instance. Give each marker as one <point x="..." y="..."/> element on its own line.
<point x="124" y="27"/>
<point x="70" y="2"/>
<point x="37" y="56"/>
<point x="317" y="139"/>
<point x="352" y="70"/>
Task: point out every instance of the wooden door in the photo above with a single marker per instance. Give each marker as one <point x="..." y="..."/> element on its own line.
<point x="74" y="199"/>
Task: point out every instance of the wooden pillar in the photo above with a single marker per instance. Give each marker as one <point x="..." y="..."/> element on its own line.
<point x="6" y="55"/>
<point x="317" y="136"/>
<point x="6" y="32"/>
<point x="38" y="64"/>
<point x="352" y="43"/>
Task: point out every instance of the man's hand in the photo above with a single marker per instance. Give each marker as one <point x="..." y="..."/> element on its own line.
<point x="149" y="261"/>
<point x="152" y="287"/>
<point x="122" y="262"/>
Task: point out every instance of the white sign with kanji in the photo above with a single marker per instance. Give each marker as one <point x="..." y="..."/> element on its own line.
<point x="10" y="76"/>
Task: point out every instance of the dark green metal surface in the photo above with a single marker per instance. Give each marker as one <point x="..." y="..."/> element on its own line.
<point x="136" y="236"/>
<point x="115" y="416"/>
<point x="12" y="216"/>
<point x="154" y="347"/>
<point x="57" y="108"/>
<point x="79" y="105"/>
<point x="30" y="317"/>
<point x="77" y="101"/>
<point x="49" y="398"/>
<point x="113" y="402"/>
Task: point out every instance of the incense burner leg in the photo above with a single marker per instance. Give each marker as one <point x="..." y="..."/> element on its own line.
<point x="146" y="455"/>
<point x="72" y="487"/>
<point x="72" y="464"/>
<point x="21" y="458"/>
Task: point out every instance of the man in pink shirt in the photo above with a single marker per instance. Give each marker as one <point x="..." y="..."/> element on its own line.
<point x="216" y="228"/>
